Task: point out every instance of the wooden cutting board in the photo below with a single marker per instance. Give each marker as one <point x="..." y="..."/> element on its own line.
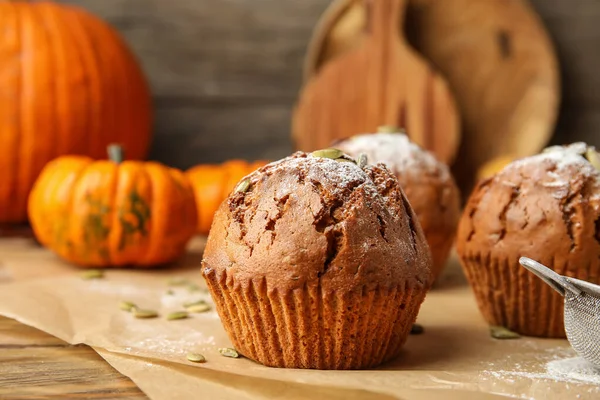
<point x="380" y="82"/>
<point x="496" y="56"/>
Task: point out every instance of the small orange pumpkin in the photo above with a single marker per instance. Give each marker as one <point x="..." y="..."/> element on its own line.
<point x="112" y="212"/>
<point x="212" y="183"/>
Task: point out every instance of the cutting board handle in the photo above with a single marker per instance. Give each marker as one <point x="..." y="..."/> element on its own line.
<point x="385" y="18"/>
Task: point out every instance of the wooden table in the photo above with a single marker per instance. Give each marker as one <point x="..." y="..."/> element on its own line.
<point x="35" y="365"/>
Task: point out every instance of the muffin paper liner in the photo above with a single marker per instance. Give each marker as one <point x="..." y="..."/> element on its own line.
<point x="310" y="328"/>
<point x="510" y="296"/>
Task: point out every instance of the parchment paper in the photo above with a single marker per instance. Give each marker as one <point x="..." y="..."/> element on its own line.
<point x="454" y="358"/>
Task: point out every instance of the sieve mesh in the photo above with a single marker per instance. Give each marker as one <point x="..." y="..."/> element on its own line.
<point x="582" y="325"/>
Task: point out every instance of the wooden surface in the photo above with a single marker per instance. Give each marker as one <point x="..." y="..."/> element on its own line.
<point x="381" y="81"/>
<point x="225" y="73"/>
<point x="35" y="365"/>
<point x="507" y="96"/>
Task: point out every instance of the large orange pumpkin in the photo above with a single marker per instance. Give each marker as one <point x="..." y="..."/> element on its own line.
<point x="68" y="85"/>
<point x="212" y="183"/>
<point x="111" y="213"/>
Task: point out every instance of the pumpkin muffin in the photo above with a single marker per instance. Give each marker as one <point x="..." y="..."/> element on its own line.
<point x="545" y="207"/>
<point x="315" y="262"/>
<point x="427" y="183"/>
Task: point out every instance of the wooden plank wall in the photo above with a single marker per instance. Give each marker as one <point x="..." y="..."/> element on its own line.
<point x="225" y="73"/>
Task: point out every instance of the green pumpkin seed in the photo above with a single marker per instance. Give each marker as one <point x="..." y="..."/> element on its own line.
<point x="593" y="157"/>
<point x="243" y="186"/>
<point x="389" y="129"/>
<point x="192" y="287"/>
<point x="342" y="159"/>
<point x="177" y="281"/>
<point x="417" y="329"/>
<point x="229" y="352"/>
<point x="144" y="313"/>
<point x="362" y="160"/>
<point x="92" y="274"/>
<point x="195" y="357"/>
<point x="500" y="332"/>
<point x="170" y="292"/>
<point x="328" y="153"/>
<point x="127" y="306"/>
<point x="193" y="303"/>
<point x="177" y="315"/>
<point x="198" y="308"/>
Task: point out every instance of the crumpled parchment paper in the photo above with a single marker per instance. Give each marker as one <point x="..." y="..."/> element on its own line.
<point x="455" y="358"/>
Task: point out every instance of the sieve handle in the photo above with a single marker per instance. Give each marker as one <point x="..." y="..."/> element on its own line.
<point x="554" y="280"/>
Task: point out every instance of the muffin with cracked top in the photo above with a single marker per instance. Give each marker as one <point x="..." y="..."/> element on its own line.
<point x="317" y="262"/>
<point x="545" y="207"/>
<point x="426" y="181"/>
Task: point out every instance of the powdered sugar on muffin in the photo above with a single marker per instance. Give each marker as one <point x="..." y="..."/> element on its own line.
<point x="556" y="164"/>
<point x="395" y="150"/>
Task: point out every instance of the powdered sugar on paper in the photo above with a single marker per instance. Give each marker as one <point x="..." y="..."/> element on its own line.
<point x="555" y="365"/>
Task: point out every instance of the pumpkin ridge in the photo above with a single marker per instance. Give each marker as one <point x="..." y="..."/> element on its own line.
<point x="46" y="79"/>
<point x="56" y="42"/>
<point x="70" y="240"/>
<point x="73" y="64"/>
<point x="131" y="222"/>
<point x="82" y="93"/>
<point x="47" y="10"/>
<point x="95" y="90"/>
<point x="114" y="215"/>
<point x="19" y="124"/>
<point x="156" y="229"/>
<point x="10" y="164"/>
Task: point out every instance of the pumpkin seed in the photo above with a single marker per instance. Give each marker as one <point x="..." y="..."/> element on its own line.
<point x="417" y="329"/>
<point x="362" y="160"/>
<point x="127" y="306"/>
<point x="593" y="157"/>
<point x="198" y="308"/>
<point x="342" y="159"/>
<point x="192" y="287"/>
<point x="170" y="292"/>
<point x="177" y="315"/>
<point x="389" y="129"/>
<point x="500" y="332"/>
<point x="177" y="281"/>
<point x="229" y="352"/>
<point x="92" y="274"/>
<point x="195" y="357"/>
<point x="243" y="186"/>
<point x="328" y="153"/>
<point x="144" y="313"/>
<point x="193" y="303"/>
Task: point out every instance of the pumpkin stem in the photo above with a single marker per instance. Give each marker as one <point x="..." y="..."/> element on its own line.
<point x="115" y="153"/>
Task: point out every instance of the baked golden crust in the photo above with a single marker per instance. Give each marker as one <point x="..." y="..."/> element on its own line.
<point x="317" y="260"/>
<point x="426" y="181"/>
<point x="545" y="207"/>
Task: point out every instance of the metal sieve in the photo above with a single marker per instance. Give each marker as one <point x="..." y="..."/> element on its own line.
<point x="582" y="309"/>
